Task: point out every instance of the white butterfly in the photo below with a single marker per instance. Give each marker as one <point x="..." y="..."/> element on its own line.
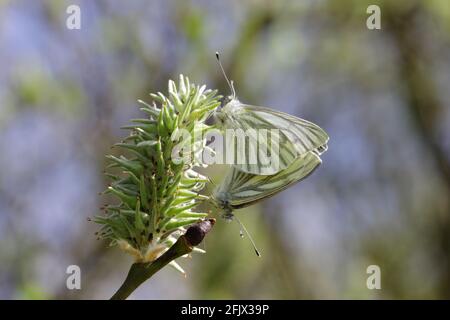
<point x="239" y="189"/>
<point x="293" y="136"/>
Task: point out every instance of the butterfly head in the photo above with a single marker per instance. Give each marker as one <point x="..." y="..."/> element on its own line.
<point x="225" y="110"/>
<point x="226" y="100"/>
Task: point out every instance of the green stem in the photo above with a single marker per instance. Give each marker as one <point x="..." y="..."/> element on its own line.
<point x="140" y="272"/>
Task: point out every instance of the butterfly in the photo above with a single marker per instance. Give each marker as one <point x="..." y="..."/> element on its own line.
<point x="239" y="189"/>
<point x="290" y="137"/>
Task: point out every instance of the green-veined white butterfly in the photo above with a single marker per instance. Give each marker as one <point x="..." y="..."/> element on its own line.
<point x="295" y="137"/>
<point x="239" y="189"/>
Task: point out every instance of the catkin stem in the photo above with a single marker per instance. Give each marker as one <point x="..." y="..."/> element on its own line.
<point x="140" y="272"/>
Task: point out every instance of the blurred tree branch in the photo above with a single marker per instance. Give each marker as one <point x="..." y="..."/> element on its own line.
<point x="425" y="107"/>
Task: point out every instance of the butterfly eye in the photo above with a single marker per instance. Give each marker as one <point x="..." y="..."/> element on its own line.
<point x="224" y="101"/>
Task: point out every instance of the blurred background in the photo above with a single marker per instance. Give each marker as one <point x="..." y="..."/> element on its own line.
<point x="380" y="198"/>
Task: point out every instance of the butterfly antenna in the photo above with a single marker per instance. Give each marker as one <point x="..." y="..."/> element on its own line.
<point x="242" y="229"/>
<point x="230" y="83"/>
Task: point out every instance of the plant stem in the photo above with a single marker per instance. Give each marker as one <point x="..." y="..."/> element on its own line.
<point x="140" y="272"/>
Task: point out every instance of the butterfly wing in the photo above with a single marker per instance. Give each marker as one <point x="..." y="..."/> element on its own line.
<point x="243" y="189"/>
<point x="293" y="137"/>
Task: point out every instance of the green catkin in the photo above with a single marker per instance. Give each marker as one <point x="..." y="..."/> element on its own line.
<point x="156" y="197"/>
